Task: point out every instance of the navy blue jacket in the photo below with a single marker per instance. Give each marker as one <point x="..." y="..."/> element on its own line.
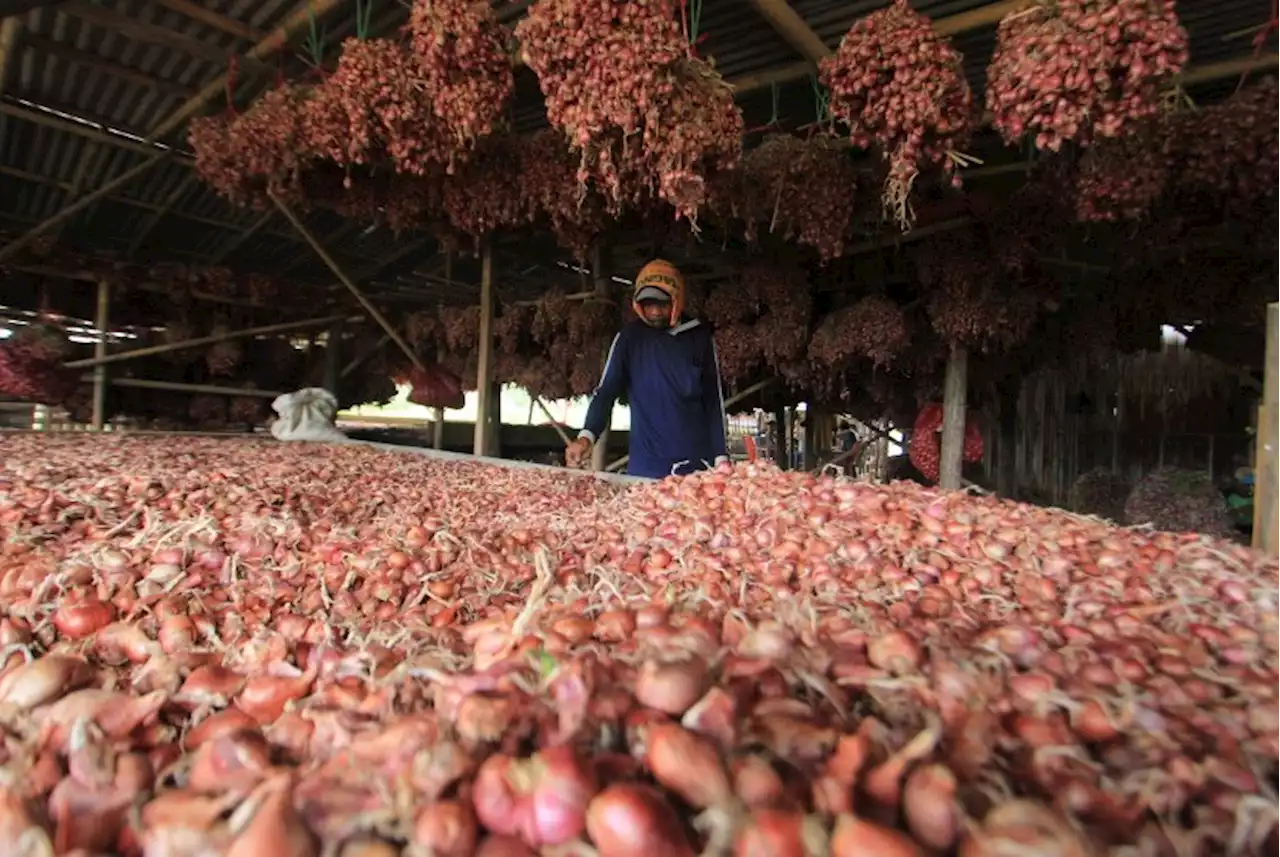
<point x="671" y="379"/>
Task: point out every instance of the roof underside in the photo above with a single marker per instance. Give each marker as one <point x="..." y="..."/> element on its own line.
<point x="82" y="83"/>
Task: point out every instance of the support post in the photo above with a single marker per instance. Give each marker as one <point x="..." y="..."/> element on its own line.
<point x="150" y="350"/>
<point x="600" y="274"/>
<point x="437" y="428"/>
<point x="21" y="243"/>
<point x="101" y="320"/>
<point x="1007" y="442"/>
<point x="495" y="420"/>
<point x="1266" y="480"/>
<point x="780" y="446"/>
<point x="484" y="365"/>
<point x="373" y="311"/>
<point x="954" y="407"/>
<point x="332" y="353"/>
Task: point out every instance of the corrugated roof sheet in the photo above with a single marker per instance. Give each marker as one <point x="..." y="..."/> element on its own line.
<point x="91" y="59"/>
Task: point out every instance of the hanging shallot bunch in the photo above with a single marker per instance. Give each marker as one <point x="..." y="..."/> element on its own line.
<point x="646" y="117"/>
<point x="1230" y="149"/>
<point x="802" y="189"/>
<point x="549" y="189"/>
<point x="460" y="51"/>
<point x="483" y="194"/>
<point x="1121" y="178"/>
<point x="900" y="87"/>
<point x="1079" y="70"/>
<point x="873" y="327"/>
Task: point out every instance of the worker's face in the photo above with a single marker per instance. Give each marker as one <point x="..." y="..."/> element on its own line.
<point x="656" y="313"/>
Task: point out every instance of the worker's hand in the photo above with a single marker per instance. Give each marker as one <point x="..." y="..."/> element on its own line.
<point x="722" y="461"/>
<point x="577" y="452"/>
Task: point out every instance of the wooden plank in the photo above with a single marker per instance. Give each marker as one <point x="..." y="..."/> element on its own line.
<point x="484" y="364"/>
<point x="178" y="387"/>
<point x="1266" y="479"/>
<point x="955" y="393"/>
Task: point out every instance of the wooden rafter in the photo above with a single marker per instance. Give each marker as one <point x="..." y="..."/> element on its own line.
<point x="10" y="28"/>
<point x="209" y="18"/>
<point x="109" y="19"/>
<point x="102" y="65"/>
<point x="88" y="132"/>
<point x="236" y="242"/>
<point x="175" y="196"/>
<point x="788" y="24"/>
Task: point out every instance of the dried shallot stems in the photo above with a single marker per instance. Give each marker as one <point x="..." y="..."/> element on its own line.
<point x="648" y="119"/>
<point x="873" y="327"/>
<point x="900" y="89"/>
<point x="1080" y="70"/>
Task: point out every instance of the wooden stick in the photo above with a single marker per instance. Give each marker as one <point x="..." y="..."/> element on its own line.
<point x="204" y="340"/>
<point x="373" y="311"/>
<point x="358" y="361"/>
<point x="555" y="424"/>
<point x="732" y="400"/>
<point x="175" y="386"/>
<point x="17" y="245"/>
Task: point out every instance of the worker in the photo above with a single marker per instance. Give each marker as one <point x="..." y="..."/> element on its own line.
<point x="666" y="367"/>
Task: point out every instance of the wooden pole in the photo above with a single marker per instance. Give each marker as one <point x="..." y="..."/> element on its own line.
<point x="954" y="408"/>
<point x="555" y="424"/>
<point x="102" y="319"/>
<point x="484" y="366"/>
<point x="1266" y="479"/>
<point x="178" y="387"/>
<point x="21" y="243"/>
<point x="780" y="450"/>
<point x="285" y="327"/>
<point x="601" y="282"/>
<point x="373" y="311"/>
<point x="437" y="428"/>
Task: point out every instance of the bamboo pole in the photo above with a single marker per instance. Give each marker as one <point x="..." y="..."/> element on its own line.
<point x="18" y="244"/>
<point x="373" y="311"/>
<point x="484" y="365"/>
<point x="180" y="387"/>
<point x="954" y="407"/>
<point x="728" y="403"/>
<point x="1266" y="512"/>
<point x="102" y="319"/>
<point x="285" y="327"/>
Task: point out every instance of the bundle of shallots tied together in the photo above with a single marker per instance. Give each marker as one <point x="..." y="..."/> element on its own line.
<point x="874" y="327"/>
<point x="483" y="195"/>
<point x="1122" y="178"/>
<point x="900" y="88"/>
<point x="244" y="648"/>
<point x="550" y="191"/>
<point x="1231" y="149"/>
<point x="803" y="189"/>
<point x="648" y="119"/>
<point x="460" y="53"/>
<point x="1079" y="70"/>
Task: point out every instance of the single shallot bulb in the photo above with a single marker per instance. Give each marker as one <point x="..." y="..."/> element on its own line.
<point x="632" y="820"/>
<point x="854" y="837"/>
<point x="672" y="686"/>
<point x="929" y="804"/>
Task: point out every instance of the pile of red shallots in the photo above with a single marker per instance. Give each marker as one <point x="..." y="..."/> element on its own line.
<point x="873" y="327"/>
<point x="1079" y="70"/>
<point x="900" y="88"/>
<point x="246" y="648"/>
<point x="802" y="189"/>
<point x="648" y="119"/>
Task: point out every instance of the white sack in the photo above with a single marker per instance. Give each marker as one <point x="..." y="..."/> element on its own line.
<point x="307" y="414"/>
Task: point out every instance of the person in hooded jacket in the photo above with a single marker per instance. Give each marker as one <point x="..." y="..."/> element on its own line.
<point x="666" y="367"/>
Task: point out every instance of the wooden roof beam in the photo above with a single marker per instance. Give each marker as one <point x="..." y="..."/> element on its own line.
<point x="788" y="24"/>
<point x="236" y="242"/>
<point x="10" y="29"/>
<point x="15" y="8"/>
<point x="217" y="21"/>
